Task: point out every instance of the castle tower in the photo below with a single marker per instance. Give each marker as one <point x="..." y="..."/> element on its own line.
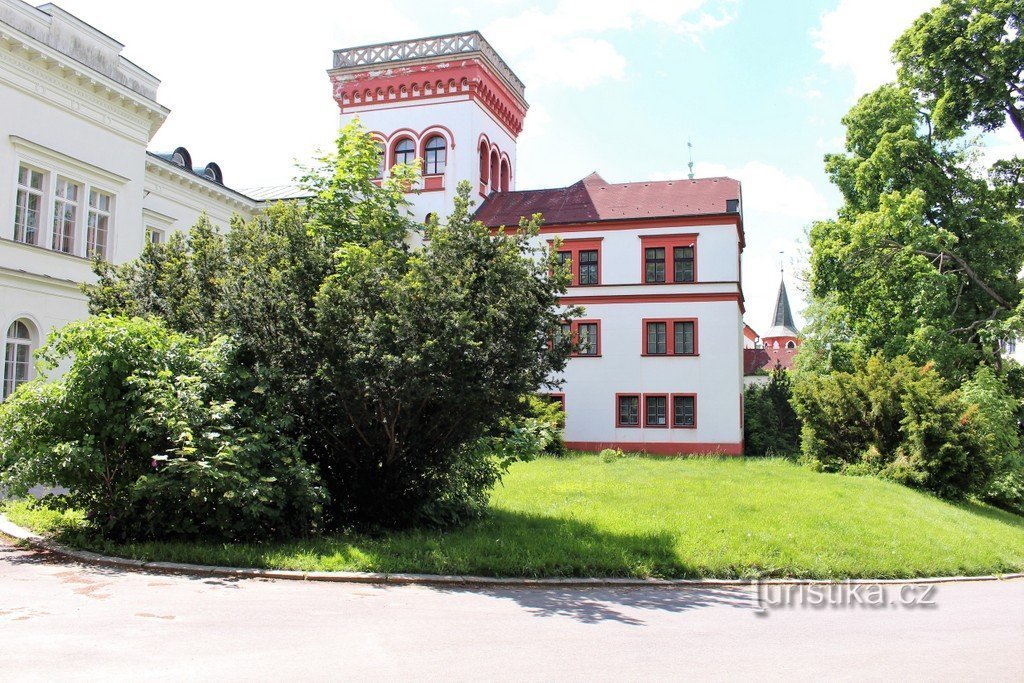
<point x="782" y="340"/>
<point x="450" y="101"/>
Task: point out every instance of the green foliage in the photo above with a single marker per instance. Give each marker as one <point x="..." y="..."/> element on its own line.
<point x="923" y="257"/>
<point x="388" y="363"/>
<point x="998" y="423"/>
<point x="964" y="57"/>
<point x="770" y="425"/>
<point x="141" y="430"/>
<point x="896" y="420"/>
<point x="550" y="416"/>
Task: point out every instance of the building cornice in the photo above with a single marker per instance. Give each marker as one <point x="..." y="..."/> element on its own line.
<point x="42" y="152"/>
<point x="183" y="178"/>
<point x="46" y="66"/>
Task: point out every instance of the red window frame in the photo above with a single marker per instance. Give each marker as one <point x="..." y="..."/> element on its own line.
<point x="555" y="396"/>
<point x="639" y="411"/>
<point x="670" y="342"/>
<point x="574" y="330"/>
<point x="668" y="411"/>
<point x="574" y="247"/>
<point x="672" y="415"/>
<point x="668" y="243"/>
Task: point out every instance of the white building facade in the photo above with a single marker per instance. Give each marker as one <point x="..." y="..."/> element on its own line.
<point x="655" y="265"/>
<point x="76" y="180"/>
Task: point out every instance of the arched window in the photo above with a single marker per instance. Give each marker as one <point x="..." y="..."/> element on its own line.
<point x="405" y="152"/>
<point x="505" y="173"/>
<point x="495" y="173"/>
<point x="485" y="162"/>
<point x="17" y="356"/>
<point x="436" y="157"/>
<point x="381" y="159"/>
<point x="790" y="345"/>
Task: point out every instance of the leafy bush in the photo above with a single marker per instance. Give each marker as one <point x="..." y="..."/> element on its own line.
<point x="998" y="422"/>
<point x="551" y="415"/>
<point x="894" y="419"/>
<point x="141" y="430"/>
<point x="390" y="362"/>
<point x="770" y="424"/>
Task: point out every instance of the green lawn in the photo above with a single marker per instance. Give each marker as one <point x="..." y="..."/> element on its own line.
<point x="640" y="517"/>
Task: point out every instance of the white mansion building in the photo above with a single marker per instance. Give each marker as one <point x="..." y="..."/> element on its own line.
<point x="655" y="264"/>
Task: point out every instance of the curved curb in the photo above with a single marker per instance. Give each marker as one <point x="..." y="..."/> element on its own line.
<point x="8" y="528"/>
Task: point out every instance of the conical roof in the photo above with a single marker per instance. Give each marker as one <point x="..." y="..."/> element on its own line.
<point x="782" y="323"/>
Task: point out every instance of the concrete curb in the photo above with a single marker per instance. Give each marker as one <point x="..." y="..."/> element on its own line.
<point x="8" y="528"/>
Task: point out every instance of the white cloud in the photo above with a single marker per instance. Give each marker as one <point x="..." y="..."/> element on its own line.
<point x="857" y="35"/>
<point x="565" y="46"/>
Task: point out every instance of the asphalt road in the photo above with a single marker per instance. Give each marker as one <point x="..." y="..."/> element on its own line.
<point x="70" y="622"/>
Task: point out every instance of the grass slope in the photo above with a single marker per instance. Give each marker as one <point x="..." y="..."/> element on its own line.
<point x="640" y="517"/>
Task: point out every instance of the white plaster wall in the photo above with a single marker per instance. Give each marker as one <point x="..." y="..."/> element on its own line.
<point x="715" y="375"/>
<point x="717" y="251"/>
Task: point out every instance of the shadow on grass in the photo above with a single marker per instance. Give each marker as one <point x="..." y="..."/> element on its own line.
<point x="993" y="513"/>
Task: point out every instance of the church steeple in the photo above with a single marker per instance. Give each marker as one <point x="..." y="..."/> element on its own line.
<point x="783" y="313"/>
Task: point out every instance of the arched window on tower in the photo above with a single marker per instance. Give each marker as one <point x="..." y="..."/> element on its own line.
<point x="790" y="345"/>
<point x="484" y="163"/>
<point x="381" y="159"/>
<point x="405" y="152"/>
<point x="435" y="156"/>
<point x="495" y="173"/>
<point x="17" y="356"/>
<point x="505" y="175"/>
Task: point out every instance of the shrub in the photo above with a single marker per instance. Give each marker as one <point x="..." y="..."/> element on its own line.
<point x="390" y="362"/>
<point x="770" y="424"/>
<point x="141" y="430"/>
<point x="998" y="423"/>
<point x="551" y="415"/>
<point x="894" y="419"/>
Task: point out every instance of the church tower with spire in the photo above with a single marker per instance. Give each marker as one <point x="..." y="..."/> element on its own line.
<point x="783" y="339"/>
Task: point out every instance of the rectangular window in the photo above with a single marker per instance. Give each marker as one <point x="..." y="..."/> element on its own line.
<point x="654" y="263"/>
<point x="669" y="337"/>
<point x="587" y="339"/>
<point x="28" y="205"/>
<point x="629" y="411"/>
<point x="98" y="224"/>
<point x="655" y="411"/>
<point x="682" y="259"/>
<point x="588" y="267"/>
<point x="657" y="338"/>
<point x="682" y="337"/>
<point x="684" y="411"/>
<point x="565" y="257"/>
<point x="658" y="249"/>
<point x="154" y="236"/>
<point x="65" y="215"/>
<point x="17" y="360"/>
<point x="583" y="257"/>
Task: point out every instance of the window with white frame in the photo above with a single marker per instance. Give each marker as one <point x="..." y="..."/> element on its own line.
<point x="65" y="215"/>
<point x="28" y="211"/>
<point x="98" y="225"/>
<point x="154" y="235"/>
<point x="17" y="356"/>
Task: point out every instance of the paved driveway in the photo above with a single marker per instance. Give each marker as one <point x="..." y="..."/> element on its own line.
<point x="65" y="621"/>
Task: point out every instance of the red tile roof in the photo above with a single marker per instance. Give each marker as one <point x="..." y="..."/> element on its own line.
<point x="754" y="360"/>
<point x="592" y="199"/>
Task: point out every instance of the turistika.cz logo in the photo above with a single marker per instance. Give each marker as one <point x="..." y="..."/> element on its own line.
<point x="844" y="595"/>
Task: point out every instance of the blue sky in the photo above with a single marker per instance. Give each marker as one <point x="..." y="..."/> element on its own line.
<point x="759" y="86"/>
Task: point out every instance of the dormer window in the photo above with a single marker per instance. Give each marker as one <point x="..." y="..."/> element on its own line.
<point x="178" y="159"/>
<point x="435" y="156"/>
<point x="181" y="157"/>
<point x="213" y="172"/>
<point x="405" y="152"/>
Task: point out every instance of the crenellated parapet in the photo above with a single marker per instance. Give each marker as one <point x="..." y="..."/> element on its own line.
<point x="456" y="66"/>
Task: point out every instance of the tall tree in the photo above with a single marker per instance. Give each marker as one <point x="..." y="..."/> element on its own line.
<point x="965" y="57"/>
<point x="924" y="255"/>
